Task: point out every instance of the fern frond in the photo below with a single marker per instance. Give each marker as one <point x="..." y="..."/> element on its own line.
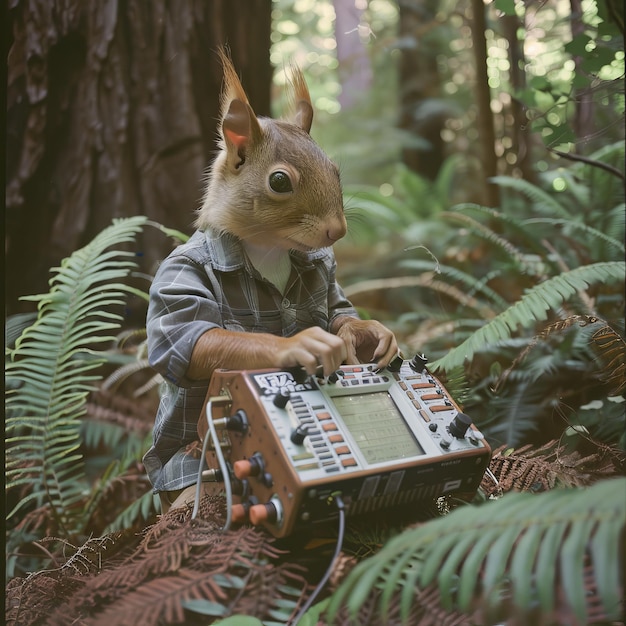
<point x="114" y="380"/>
<point x="472" y="286"/>
<point x="555" y="552"/>
<point x="50" y="371"/>
<point x="542" y="200"/>
<point x="532" y="307"/>
<point x="583" y="228"/>
<point x="611" y="349"/>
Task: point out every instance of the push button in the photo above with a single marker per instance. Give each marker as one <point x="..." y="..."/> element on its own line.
<point x="335" y="438"/>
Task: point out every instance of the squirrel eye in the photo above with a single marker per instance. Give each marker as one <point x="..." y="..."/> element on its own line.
<point x="280" y="182"/>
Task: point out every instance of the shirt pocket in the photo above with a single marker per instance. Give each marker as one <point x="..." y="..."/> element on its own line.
<point x="254" y="321"/>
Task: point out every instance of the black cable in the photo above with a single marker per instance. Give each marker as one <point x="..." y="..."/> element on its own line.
<point x="320" y="585"/>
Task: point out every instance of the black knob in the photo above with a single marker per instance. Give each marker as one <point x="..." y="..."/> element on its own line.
<point x="281" y="398"/>
<point x="459" y="425"/>
<point x="334" y="377"/>
<point x="396" y="364"/>
<point x="238" y="422"/>
<point x="299" y="374"/>
<point x="299" y="434"/>
<point x="418" y="362"/>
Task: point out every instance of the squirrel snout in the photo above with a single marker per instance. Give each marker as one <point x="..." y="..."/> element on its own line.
<point x="336" y="231"/>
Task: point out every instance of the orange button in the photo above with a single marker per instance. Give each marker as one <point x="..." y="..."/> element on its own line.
<point x="349" y="462"/>
<point x="335" y="438"/>
<point x="440" y="407"/>
<point x="329" y="426"/>
<point x="422" y="385"/>
<point x="342" y="450"/>
<point x="432" y="396"/>
<point x="323" y="416"/>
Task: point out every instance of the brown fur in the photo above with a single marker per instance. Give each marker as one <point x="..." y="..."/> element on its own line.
<point x="238" y="197"/>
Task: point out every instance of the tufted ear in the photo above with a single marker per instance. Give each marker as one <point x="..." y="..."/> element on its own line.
<point x="240" y="127"/>
<point x="304" y="108"/>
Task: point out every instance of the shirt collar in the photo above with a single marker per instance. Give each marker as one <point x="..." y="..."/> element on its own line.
<point x="227" y="253"/>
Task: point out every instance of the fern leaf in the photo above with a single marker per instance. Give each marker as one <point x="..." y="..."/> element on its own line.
<point x="584" y="228"/>
<point x="499" y="558"/>
<point x="50" y="370"/>
<point x="531" y="308"/>
<point x="542" y="199"/>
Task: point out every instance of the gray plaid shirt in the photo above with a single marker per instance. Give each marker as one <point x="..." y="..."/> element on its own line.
<point x="207" y="283"/>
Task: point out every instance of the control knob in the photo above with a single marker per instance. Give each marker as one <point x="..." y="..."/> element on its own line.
<point x="269" y="512"/>
<point x="281" y="398"/>
<point x="244" y="468"/>
<point x="299" y="434"/>
<point x="459" y="425"/>
<point x="418" y="362"/>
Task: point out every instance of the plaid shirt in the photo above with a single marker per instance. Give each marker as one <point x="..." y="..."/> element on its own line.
<point x="208" y="283"/>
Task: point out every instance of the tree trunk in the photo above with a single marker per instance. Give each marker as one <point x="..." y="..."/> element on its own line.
<point x="483" y="95"/>
<point x="111" y="112"/>
<point x="422" y="112"/>
<point x="355" y="72"/>
<point x="583" y="99"/>
<point x="519" y="129"/>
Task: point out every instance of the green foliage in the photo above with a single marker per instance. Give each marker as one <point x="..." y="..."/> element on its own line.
<point x="52" y="367"/>
<point x="528" y="297"/>
<point x="532" y="308"/>
<point x="51" y="371"/>
<point x="502" y="558"/>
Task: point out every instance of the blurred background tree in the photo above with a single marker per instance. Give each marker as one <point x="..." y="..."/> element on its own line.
<point x="112" y="107"/>
<point x="111" y="112"/>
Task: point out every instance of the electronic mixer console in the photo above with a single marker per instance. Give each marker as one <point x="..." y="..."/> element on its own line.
<point x="379" y="438"/>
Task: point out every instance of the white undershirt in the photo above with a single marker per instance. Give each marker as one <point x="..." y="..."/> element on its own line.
<point x="274" y="264"/>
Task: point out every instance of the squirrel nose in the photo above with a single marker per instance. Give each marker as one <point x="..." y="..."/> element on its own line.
<point x="336" y="231"/>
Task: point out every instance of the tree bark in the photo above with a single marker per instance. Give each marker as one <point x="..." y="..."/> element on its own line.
<point x="583" y="99"/>
<point x="355" y="72"/>
<point x="111" y="112"/>
<point x="422" y="111"/>
<point x="519" y="130"/>
<point x="483" y="93"/>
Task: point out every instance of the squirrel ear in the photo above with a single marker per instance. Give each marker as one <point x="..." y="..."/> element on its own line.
<point x="301" y="97"/>
<point x="238" y="127"/>
<point x="304" y="115"/>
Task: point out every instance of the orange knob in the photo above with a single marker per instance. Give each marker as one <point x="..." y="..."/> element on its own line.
<point x="260" y="513"/>
<point x="244" y="468"/>
<point x="238" y="513"/>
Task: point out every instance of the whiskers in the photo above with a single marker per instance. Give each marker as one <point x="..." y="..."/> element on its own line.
<point x="356" y="217"/>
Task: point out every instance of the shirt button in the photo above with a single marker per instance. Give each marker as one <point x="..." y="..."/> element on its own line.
<point x="285" y="303"/>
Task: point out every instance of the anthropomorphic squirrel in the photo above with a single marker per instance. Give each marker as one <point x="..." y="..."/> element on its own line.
<point x="254" y="287"/>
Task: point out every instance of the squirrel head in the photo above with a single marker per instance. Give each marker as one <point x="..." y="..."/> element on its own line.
<point x="270" y="183"/>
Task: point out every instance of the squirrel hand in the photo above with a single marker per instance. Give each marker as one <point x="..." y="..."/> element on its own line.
<point x="311" y="348"/>
<point x="367" y="341"/>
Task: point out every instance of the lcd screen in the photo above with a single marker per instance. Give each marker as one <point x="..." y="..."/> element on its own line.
<point x="377" y="426"/>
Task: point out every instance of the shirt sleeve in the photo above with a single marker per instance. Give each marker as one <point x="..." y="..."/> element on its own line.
<point x="338" y="304"/>
<point x="182" y="307"/>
